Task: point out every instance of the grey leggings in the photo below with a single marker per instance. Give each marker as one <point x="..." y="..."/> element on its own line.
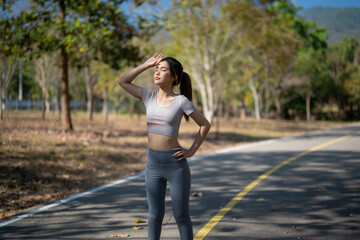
<point x="161" y="167"/>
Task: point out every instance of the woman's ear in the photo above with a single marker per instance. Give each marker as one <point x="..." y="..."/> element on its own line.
<point x="174" y="80"/>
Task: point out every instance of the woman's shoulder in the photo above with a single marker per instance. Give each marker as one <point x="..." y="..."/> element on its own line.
<point x="149" y="91"/>
<point x="183" y="98"/>
<point x="147" y="94"/>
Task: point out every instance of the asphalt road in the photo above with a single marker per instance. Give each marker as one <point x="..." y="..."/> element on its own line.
<point x="305" y="187"/>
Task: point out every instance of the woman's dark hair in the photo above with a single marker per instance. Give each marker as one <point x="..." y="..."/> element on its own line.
<point x="181" y="78"/>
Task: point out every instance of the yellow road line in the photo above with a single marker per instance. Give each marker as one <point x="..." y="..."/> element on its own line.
<point x="213" y="221"/>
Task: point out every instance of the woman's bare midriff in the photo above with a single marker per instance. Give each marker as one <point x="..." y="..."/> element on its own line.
<point x="162" y="142"/>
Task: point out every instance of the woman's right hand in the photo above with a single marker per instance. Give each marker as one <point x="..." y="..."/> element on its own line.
<point x="154" y="60"/>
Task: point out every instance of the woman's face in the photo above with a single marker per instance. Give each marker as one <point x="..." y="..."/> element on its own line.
<point x="162" y="75"/>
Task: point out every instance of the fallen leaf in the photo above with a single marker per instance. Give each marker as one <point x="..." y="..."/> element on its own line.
<point x="351" y="215"/>
<point x="260" y="199"/>
<point x="198" y="194"/>
<point x="119" y="235"/>
<point x="293" y="227"/>
<point x="137" y="228"/>
<point x="139" y="221"/>
<point x="120" y="165"/>
<point x="321" y="188"/>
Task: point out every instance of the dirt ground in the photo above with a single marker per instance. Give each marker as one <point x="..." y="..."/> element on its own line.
<point x="40" y="164"/>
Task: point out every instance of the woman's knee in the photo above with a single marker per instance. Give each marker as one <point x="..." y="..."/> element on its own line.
<point x="156" y="216"/>
<point x="182" y="218"/>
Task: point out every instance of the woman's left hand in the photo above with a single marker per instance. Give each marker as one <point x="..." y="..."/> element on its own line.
<point x="182" y="153"/>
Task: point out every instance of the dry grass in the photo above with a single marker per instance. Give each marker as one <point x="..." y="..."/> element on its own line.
<point x="39" y="163"/>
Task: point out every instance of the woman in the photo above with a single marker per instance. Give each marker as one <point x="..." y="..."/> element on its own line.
<point x="166" y="159"/>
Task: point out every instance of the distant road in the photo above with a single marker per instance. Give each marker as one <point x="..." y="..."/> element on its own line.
<point x="305" y="187"/>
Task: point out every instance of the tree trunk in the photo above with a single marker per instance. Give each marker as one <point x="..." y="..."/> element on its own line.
<point x="308" y="111"/>
<point x="89" y="91"/>
<point x="278" y="108"/>
<point x="56" y="105"/>
<point x="20" y="82"/>
<point x="105" y="104"/>
<point x="205" y="89"/>
<point x="65" y="99"/>
<point x="2" y="87"/>
<point x="242" y="110"/>
<point x="46" y="104"/>
<point x="132" y="107"/>
<point x="43" y="109"/>
<point x="255" y="98"/>
<point x="138" y="109"/>
<point x="118" y="102"/>
<point x="89" y="105"/>
<point x="218" y="117"/>
<point x="342" y="112"/>
<point x="7" y="73"/>
<point x="267" y="88"/>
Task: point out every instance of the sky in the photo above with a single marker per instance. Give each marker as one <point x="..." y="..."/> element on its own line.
<point x="326" y="3"/>
<point x="308" y="3"/>
<point x="304" y="3"/>
<point x="165" y="4"/>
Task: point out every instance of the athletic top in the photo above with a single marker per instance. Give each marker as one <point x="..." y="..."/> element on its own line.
<point x="165" y="120"/>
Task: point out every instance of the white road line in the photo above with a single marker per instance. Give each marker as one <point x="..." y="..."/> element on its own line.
<point x="70" y="198"/>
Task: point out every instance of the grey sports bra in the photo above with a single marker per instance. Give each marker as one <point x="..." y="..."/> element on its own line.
<point x="165" y="120"/>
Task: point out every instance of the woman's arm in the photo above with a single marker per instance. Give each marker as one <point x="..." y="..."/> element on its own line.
<point x="126" y="79"/>
<point x="204" y="125"/>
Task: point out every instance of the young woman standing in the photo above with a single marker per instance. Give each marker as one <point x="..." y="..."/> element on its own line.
<point x="166" y="159"/>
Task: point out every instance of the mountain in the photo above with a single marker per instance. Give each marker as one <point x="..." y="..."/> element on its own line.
<point x="339" y="22"/>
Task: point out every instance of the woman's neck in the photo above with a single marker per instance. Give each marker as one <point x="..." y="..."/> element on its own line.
<point x="165" y="92"/>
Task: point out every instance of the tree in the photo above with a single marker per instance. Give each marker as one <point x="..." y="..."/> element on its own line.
<point x="47" y="74"/>
<point x="97" y="26"/>
<point x="201" y="37"/>
<point x="310" y="57"/>
<point x="268" y="45"/>
<point x="106" y="82"/>
<point x="310" y="65"/>
<point x="7" y="49"/>
<point x="341" y="59"/>
<point x="8" y="65"/>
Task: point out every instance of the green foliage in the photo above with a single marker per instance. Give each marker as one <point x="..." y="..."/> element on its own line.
<point x="96" y="28"/>
<point x="29" y="84"/>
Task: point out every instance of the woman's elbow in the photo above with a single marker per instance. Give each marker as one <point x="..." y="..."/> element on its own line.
<point x="121" y="83"/>
<point x="207" y="125"/>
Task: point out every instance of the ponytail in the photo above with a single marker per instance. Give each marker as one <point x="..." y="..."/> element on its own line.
<point x="181" y="78"/>
<point x="185" y="88"/>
